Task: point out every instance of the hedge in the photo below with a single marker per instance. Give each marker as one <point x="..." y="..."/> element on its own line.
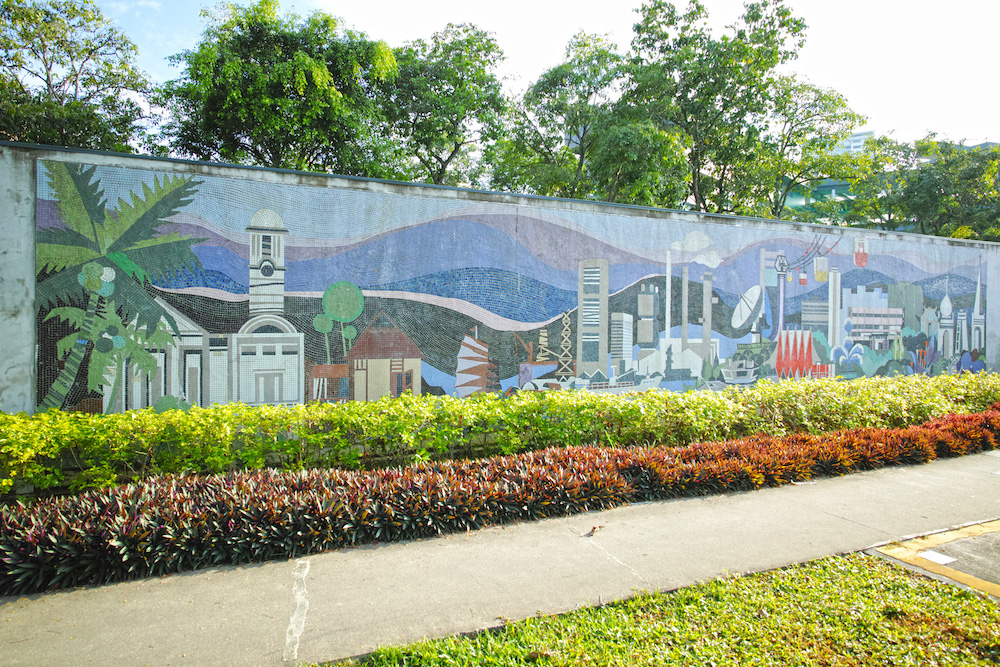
<point x="61" y="450"/>
<point x="170" y="524"/>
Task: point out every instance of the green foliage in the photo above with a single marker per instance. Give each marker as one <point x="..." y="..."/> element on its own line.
<point x="125" y="240"/>
<point x="164" y="403"/>
<point x="930" y="187"/>
<point x="30" y="118"/>
<point x="805" y="125"/>
<point x="637" y="162"/>
<point x="168" y="524"/>
<point x="67" y="76"/>
<point x="845" y="610"/>
<point x="553" y="128"/>
<point x="445" y="101"/>
<point x="956" y="193"/>
<point x="281" y="92"/>
<point x="343" y="302"/>
<point x="117" y="346"/>
<point x="567" y="137"/>
<point x="877" y="197"/>
<point x="103" y="449"/>
<point x="714" y="90"/>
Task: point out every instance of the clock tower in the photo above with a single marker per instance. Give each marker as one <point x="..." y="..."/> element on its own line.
<point x="267" y="262"/>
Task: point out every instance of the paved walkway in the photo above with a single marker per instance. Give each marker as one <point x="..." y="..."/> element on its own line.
<point x="346" y="603"/>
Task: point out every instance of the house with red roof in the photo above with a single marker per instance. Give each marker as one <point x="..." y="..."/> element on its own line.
<point x="384" y="361"/>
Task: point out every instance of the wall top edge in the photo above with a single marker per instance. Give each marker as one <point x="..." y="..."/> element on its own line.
<point x="319" y="179"/>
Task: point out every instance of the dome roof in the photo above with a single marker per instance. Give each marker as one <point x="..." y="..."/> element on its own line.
<point x="267" y="220"/>
<point x="946" y="307"/>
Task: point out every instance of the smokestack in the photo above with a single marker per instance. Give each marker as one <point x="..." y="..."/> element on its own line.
<point x="706" y="310"/>
<point x="684" y="308"/>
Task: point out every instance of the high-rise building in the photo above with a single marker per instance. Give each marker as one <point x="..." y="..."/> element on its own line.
<point x="621" y="342"/>
<point x="834" y="335"/>
<point x="910" y="298"/>
<point x="648" y="308"/>
<point x="815" y="316"/>
<point x="592" y="317"/>
<point x="853" y="144"/>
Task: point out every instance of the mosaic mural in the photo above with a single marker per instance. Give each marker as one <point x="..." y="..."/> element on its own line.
<point x="170" y="289"/>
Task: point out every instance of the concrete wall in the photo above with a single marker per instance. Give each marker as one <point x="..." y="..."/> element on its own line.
<point x="17" y="282"/>
<point x="459" y="290"/>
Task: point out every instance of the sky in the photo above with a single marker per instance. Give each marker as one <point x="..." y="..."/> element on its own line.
<point x="911" y="68"/>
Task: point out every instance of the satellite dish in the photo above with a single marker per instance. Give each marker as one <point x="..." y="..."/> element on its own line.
<point x="749" y="307"/>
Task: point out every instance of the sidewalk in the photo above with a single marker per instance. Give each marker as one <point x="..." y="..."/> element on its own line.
<point x="346" y="603"/>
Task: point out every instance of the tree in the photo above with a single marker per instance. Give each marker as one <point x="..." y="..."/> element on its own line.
<point x="930" y="187"/>
<point x="98" y="254"/>
<point x="281" y="92"/>
<point x="640" y="163"/>
<point x="715" y="91"/>
<point x="30" y="118"/>
<point x="805" y="125"/>
<point x="553" y="128"/>
<point x="877" y="195"/>
<point x="446" y="101"/>
<point x="955" y="193"/>
<point x="569" y="137"/>
<point x="117" y="346"/>
<point x="67" y="76"/>
<point x="342" y="302"/>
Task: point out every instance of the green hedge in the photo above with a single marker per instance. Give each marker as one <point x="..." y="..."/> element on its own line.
<point x="169" y="524"/>
<point x="59" y="449"/>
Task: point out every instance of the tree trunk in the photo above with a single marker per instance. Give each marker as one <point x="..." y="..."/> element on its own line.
<point x="56" y="395"/>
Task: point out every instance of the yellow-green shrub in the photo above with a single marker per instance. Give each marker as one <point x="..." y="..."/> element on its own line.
<point x="55" y="449"/>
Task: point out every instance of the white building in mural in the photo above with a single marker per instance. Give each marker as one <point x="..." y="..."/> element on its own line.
<point x="684" y="354"/>
<point x="963" y="329"/>
<point x="261" y="363"/>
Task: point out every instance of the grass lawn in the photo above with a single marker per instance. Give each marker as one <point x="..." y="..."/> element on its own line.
<point x="848" y="610"/>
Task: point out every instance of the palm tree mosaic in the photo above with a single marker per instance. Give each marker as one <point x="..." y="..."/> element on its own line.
<point x="93" y="271"/>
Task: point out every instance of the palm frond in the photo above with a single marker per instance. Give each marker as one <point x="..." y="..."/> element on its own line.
<point x="138" y="220"/>
<point x="159" y="257"/>
<point x="68" y="314"/>
<point x="79" y="199"/>
<point x="102" y="368"/>
<point x="139" y="306"/>
<point x="55" y="250"/>
<point x="58" y="287"/>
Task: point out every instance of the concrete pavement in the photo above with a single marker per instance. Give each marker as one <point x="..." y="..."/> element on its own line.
<point x="346" y="603"/>
<point x="968" y="556"/>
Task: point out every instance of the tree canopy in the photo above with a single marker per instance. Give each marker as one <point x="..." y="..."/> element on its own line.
<point x="67" y="76"/>
<point x="714" y="90"/>
<point x="567" y="136"/>
<point x="552" y="128"/>
<point x="955" y="193"/>
<point x="878" y="198"/>
<point x="931" y="187"/>
<point x="280" y="91"/>
<point x="805" y="126"/>
<point x="446" y="101"/>
<point x="690" y="117"/>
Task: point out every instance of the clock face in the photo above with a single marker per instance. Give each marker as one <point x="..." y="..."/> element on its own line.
<point x="266" y="268"/>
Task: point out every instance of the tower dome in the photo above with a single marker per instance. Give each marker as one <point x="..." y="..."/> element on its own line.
<point x="266" y="220"/>
<point x="946" y="308"/>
